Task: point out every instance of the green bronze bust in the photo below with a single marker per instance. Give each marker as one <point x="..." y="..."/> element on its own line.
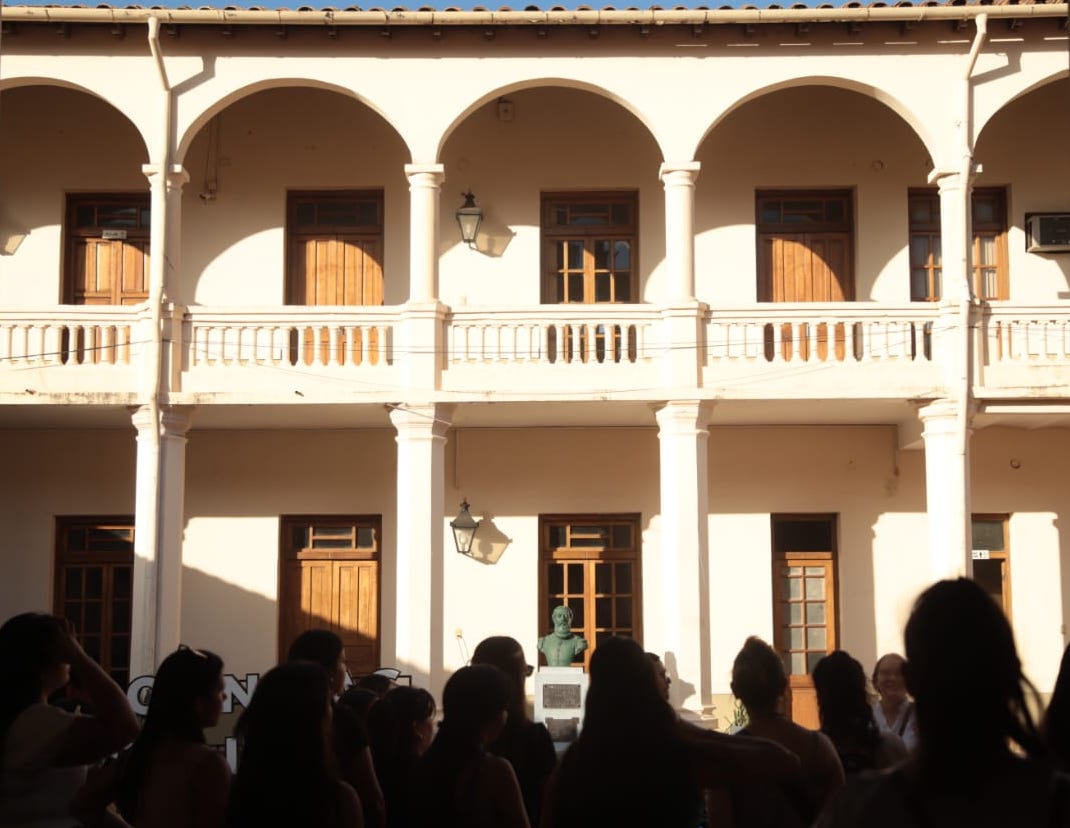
<point x="562" y="646"/>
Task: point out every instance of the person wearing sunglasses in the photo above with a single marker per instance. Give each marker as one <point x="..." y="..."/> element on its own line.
<point x="526" y="744"/>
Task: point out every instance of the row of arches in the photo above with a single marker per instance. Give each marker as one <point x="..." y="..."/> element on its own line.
<point x="674" y="142"/>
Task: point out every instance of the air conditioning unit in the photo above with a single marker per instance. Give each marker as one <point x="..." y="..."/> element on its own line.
<point x="1047" y="232"/>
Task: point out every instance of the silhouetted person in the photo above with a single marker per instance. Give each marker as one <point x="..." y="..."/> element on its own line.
<point x="526" y="744"/>
<point x="1055" y="727"/>
<point x="661" y="674"/>
<point x="635" y="762"/>
<point x="970" y="696"/>
<point x="760" y="683"/>
<point x="349" y="738"/>
<point x="286" y="775"/>
<point x="44" y="751"/>
<point x="169" y="778"/>
<point x="457" y="783"/>
<point x="846" y="713"/>
<point x="400" y="728"/>
<point x="360" y="700"/>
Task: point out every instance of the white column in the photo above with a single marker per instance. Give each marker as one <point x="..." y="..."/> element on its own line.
<point x="165" y="193"/>
<point x="421" y="510"/>
<point x="681" y="314"/>
<point x="159" y="521"/>
<point x="947" y="491"/>
<point x="679" y="182"/>
<point x="955" y="234"/>
<point x="425" y="182"/>
<point x="683" y="438"/>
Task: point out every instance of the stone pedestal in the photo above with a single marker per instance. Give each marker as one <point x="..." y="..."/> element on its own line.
<point x="560" y="693"/>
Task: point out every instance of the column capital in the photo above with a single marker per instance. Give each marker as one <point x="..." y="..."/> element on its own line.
<point x="425" y="175"/>
<point x="141" y="417"/>
<point x="940" y="416"/>
<point x="177" y="175"/>
<point x="684" y="416"/>
<point x="175" y="420"/>
<point x="951" y="180"/>
<point x="414" y="422"/>
<point x="679" y="174"/>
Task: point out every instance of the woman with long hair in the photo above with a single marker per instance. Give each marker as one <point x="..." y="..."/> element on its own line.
<point x="400" y="728"/>
<point x="1055" y="727"/>
<point x="169" y="778"/>
<point x="349" y="739"/>
<point x="526" y="744"/>
<point x="760" y="683"/>
<point x="457" y="783"/>
<point x="980" y="760"/>
<point x="846" y="714"/>
<point x="45" y="751"/>
<point x="636" y="763"/>
<point x="894" y="711"/>
<point x="286" y="775"/>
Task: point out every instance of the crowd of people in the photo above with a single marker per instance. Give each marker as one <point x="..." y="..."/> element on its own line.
<point x="950" y="739"/>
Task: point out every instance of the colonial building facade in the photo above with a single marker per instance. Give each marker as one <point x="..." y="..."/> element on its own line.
<point x="765" y="327"/>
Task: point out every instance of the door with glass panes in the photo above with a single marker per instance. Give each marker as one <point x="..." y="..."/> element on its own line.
<point x="991" y="558"/>
<point x="94" y="587"/>
<point x="588" y="257"/>
<point x="591" y="564"/>
<point x="804" y="589"/>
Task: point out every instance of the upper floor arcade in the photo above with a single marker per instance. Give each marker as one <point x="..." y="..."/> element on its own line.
<point x="731" y="210"/>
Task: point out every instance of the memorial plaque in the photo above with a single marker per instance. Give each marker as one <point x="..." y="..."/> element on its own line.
<point x="561" y="696"/>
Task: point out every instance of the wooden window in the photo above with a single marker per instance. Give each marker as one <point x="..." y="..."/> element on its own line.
<point x="589" y="247"/>
<point x="805" y="246"/>
<point x="93" y="588"/>
<point x="335" y="248"/>
<point x="990" y="277"/>
<point x="107" y="249"/>
<point x="925" y="246"/>
<point x="804" y="589"/>
<point x="329" y="578"/>
<point x="592" y="565"/>
<point x="991" y="558"/>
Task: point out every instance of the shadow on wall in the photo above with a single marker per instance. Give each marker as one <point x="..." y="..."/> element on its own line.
<point x="679" y="690"/>
<point x="490" y="542"/>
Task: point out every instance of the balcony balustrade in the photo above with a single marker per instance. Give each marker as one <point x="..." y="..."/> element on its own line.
<point x="71" y="349"/>
<point x="343" y="354"/>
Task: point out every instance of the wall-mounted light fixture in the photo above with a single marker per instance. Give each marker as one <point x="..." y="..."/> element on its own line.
<point x="469" y="217"/>
<point x="464" y="529"/>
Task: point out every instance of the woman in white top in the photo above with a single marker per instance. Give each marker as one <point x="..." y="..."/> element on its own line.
<point x="894" y="711"/>
<point x="44" y="751"/>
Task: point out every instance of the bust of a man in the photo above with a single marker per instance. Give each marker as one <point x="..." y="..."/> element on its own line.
<point x="561" y="646"/>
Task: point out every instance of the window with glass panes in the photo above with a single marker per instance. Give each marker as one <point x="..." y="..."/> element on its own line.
<point x="991" y="558"/>
<point x="589" y="247"/>
<point x="805" y="588"/>
<point x="591" y="564"/>
<point x="94" y="579"/>
<point x="990" y="279"/>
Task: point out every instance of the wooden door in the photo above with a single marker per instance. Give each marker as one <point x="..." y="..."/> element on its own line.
<point x="805" y="254"/>
<point x="804" y="589"/>
<point x="329" y="579"/>
<point x="94" y="587"/>
<point x="106" y="262"/>
<point x="107" y="256"/>
<point x="335" y="255"/>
